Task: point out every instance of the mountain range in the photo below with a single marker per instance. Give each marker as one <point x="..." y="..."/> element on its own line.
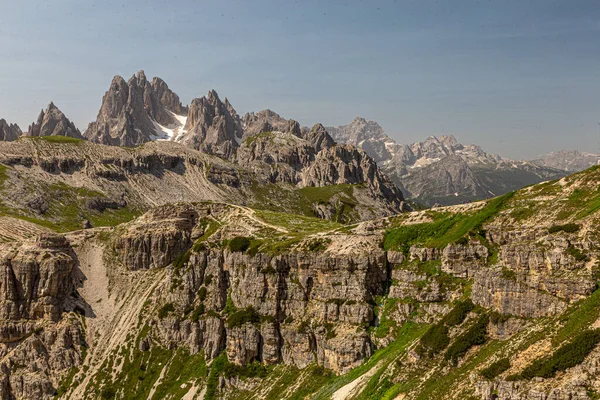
<point x="440" y="170"/>
<point x="437" y="171"/>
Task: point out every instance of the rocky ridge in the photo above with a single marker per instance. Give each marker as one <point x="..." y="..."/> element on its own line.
<point x="568" y="160"/>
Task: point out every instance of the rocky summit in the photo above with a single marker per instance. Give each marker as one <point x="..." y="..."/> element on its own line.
<point x="185" y="252"/>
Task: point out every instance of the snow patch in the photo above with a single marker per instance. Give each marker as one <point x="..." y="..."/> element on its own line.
<point x="172" y="132"/>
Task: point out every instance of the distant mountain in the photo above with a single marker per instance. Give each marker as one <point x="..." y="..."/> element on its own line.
<point x="440" y="170"/>
<point x="53" y="122"/>
<point x="9" y="132"/>
<point x="568" y="160"/>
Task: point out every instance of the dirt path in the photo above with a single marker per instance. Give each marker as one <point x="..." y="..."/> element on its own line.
<point x="354" y="387"/>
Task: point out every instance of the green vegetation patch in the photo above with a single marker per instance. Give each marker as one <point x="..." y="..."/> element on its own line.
<point x="475" y="335"/>
<point x="458" y="314"/>
<point x="165" y="310"/>
<point x="577" y="254"/>
<point x="446" y="229"/>
<point x="568" y="228"/>
<point x="495" y="369"/>
<point x="67" y="209"/>
<point x="243" y="316"/>
<point x="434" y="340"/>
<point x="239" y="244"/>
<point x="59" y="139"/>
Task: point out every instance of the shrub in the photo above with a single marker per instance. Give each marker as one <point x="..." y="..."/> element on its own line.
<point x="495" y="369"/>
<point x="473" y="336"/>
<point x="509" y="274"/>
<point x="577" y="254"/>
<point x="252" y="370"/>
<point x="459" y="313"/>
<point x="208" y="279"/>
<point x="239" y="244"/>
<point x="197" y="313"/>
<point x="181" y="260"/>
<point x="498" y="318"/>
<point x="202" y="293"/>
<point x="330" y="331"/>
<point x="244" y="316"/>
<point x="434" y="340"/>
<point x="567" y="356"/>
<point x="165" y="310"/>
<point x="268" y="270"/>
<point x="108" y="393"/>
<point x="462" y="241"/>
<point x="568" y="228"/>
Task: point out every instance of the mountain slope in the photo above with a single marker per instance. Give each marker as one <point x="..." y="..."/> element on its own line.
<point x="214" y="300"/>
<point x="65" y="182"/>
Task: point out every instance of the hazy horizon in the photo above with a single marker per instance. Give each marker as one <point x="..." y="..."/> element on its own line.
<point x="517" y="79"/>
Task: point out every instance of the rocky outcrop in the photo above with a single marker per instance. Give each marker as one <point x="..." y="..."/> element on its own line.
<point x="122" y="119"/>
<point x="464" y="260"/>
<point x="367" y="135"/>
<point x="9" y="132"/>
<point x="277" y="157"/>
<point x="344" y="164"/>
<point x="267" y="121"/>
<point x="212" y="126"/>
<point x="36" y="278"/>
<point x="53" y="122"/>
<point x="508" y="296"/>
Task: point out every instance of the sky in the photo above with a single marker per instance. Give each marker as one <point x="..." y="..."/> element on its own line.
<point x="520" y="78"/>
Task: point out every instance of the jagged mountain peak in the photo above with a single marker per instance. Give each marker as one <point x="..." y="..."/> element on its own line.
<point x="9" y="132"/>
<point x="136" y="112"/>
<point x="53" y="122"/>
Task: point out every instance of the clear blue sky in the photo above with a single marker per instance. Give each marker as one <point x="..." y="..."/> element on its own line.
<point x="518" y="77"/>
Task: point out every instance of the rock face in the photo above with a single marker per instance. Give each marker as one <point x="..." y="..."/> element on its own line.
<point x="212" y="126"/>
<point x="343" y="164"/>
<point x="9" y="132"/>
<point x="53" y="122"/>
<point x="440" y="170"/>
<point x="37" y="343"/>
<point x="297" y="308"/>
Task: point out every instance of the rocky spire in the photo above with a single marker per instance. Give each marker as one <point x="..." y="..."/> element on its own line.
<point x="212" y="126"/>
<point x="53" y="122"/>
<point x="9" y="132"/>
<point x="319" y="138"/>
